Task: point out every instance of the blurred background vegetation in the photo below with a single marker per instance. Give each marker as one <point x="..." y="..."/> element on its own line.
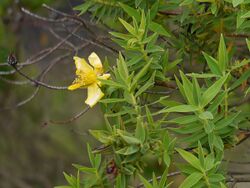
<point x="33" y="154"/>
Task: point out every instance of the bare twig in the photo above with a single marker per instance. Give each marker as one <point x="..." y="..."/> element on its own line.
<point x="71" y="119"/>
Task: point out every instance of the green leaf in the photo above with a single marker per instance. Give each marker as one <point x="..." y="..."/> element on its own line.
<point x="209" y="162"/>
<point x="226" y="121"/>
<point x="112" y="100"/>
<point x="145" y="182"/>
<point x="146" y="86"/>
<point x="246" y="15"/>
<point x="172" y="65"/>
<point x="201" y="154"/>
<point x="248" y="44"/>
<point x="112" y="83"/>
<point x="84" y="7"/>
<point x="237" y="2"/>
<point x="206" y="1"/>
<point x="102" y="136"/>
<point x="186" y="2"/>
<point x="181" y="108"/>
<point x="212" y="64"/>
<point x="188" y="129"/>
<point x="98" y="160"/>
<point x="121" y="35"/>
<point x="209" y="127"/>
<point x="163" y="180"/>
<point x="154" y="9"/>
<point x="216" y="178"/>
<point x="159" y="29"/>
<point x="128" y="27"/>
<point x="196" y="91"/>
<point x="218" y="143"/>
<point x="206" y="115"/>
<point x="140" y="131"/>
<point x="85" y="169"/>
<point x="69" y="179"/>
<point x="204" y="75"/>
<point x="131" y="11"/>
<point x="238" y="65"/>
<point x="188" y="89"/>
<point x="128" y="150"/>
<point x="130" y="140"/>
<point x="222" y="54"/>
<point x="184" y="119"/>
<point x="91" y="155"/>
<point x="166" y="158"/>
<point x="239" y="81"/>
<point x="141" y="73"/>
<point x="212" y="91"/>
<point x="191" y="180"/>
<point x="190" y="158"/>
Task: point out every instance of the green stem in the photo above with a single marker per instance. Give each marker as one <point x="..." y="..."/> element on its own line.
<point x="206" y="179"/>
<point x="226" y="100"/>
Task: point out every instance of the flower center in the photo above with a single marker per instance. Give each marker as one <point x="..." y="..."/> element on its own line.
<point x="86" y="78"/>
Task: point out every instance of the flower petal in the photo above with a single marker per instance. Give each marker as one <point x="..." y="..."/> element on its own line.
<point x="95" y="61"/>
<point x="82" y="65"/>
<point x="94" y="95"/>
<point x="104" y="77"/>
<point x="74" y="85"/>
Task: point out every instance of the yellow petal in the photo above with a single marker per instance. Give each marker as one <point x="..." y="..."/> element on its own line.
<point x="82" y="65"/>
<point x="95" y="61"/>
<point x="85" y="73"/>
<point x="94" y="94"/>
<point x="74" y="86"/>
<point x="104" y="77"/>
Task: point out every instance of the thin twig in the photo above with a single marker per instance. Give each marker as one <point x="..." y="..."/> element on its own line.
<point x="71" y="119"/>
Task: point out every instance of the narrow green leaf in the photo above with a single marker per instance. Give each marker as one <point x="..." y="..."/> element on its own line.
<point x="146" y="86"/>
<point x="190" y="158"/>
<point x="131" y="11"/>
<point x="128" y="150"/>
<point x="218" y="143"/>
<point x="222" y="54"/>
<point x="212" y="64"/>
<point x="181" y="108"/>
<point x="191" y="180"/>
<point x="91" y="155"/>
<point x="212" y="91"/>
<point x="248" y="44"/>
<point x="84" y="7"/>
<point x="204" y="75"/>
<point x="206" y="115"/>
<point x="188" y="89"/>
<point x="128" y="27"/>
<point x="216" y="178"/>
<point x="145" y="182"/>
<point x="154" y="9"/>
<point x="159" y="29"/>
<point x="246" y="15"/>
<point x="112" y="100"/>
<point x="237" y="2"/>
<point x="163" y="180"/>
<point x="141" y="73"/>
<point x="184" y="119"/>
<point x="239" y="81"/>
<point x="130" y="140"/>
<point x="85" y="169"/>
<point x="186" y="2"/>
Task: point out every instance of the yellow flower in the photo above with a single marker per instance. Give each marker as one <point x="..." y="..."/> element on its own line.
<point x="87" y="77"/>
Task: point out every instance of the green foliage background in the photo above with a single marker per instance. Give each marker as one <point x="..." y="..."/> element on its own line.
<point x="192" y="44"/>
